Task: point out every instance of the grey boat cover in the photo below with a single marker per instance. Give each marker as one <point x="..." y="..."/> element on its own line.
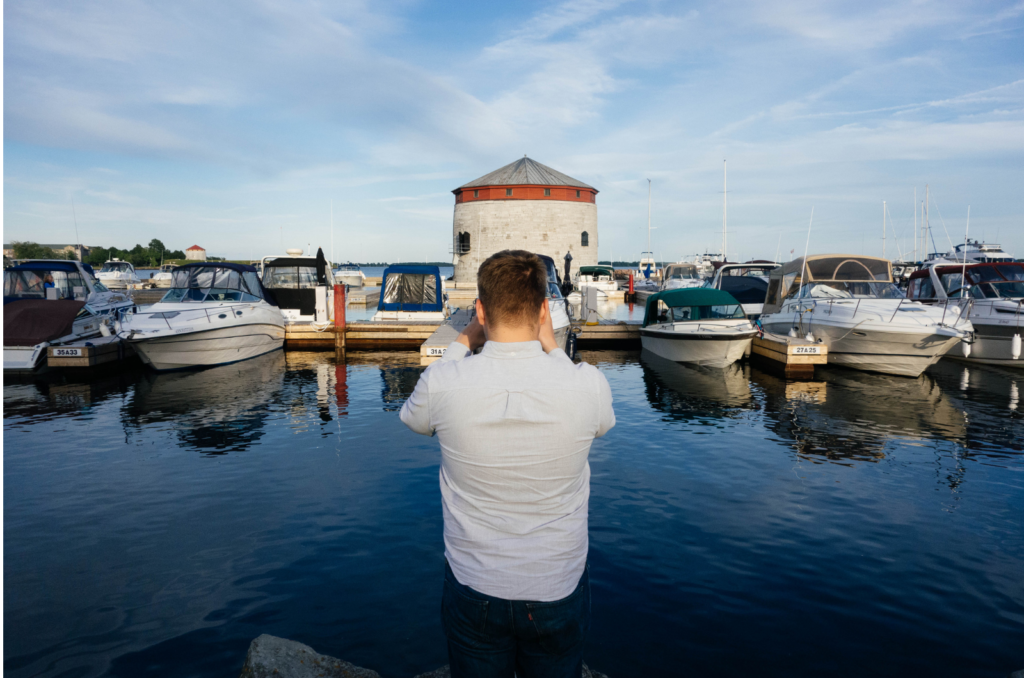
<point x="28" y="322"/>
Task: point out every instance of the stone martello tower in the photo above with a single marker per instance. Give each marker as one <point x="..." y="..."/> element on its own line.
<point x="524" y="206"/>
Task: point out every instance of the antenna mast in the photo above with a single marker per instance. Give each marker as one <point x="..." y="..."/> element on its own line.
<point x="332" y="232"/>
<point x="915" y="224"/>
<point x="649" y="219"/>
<point x="883" y="229"/>
<point x="78" y="242"/>
<point x="725" y="200"/>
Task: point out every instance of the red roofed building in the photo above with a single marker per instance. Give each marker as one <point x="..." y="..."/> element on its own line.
<point x="195" y="253"/>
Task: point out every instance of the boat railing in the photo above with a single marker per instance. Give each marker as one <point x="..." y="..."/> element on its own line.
<point x="196" y="313"/>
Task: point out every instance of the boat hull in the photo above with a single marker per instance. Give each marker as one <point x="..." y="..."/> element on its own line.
<point x="350" y="280"/>
<point x="993" y="345"/>
<point x="209" y="347"/>
<point x="701" y="349"/>
<point x="24" y="358"/>
<point x="904" y="354"/>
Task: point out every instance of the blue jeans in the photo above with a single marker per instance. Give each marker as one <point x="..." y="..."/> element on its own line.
<point x="496" y="638"/>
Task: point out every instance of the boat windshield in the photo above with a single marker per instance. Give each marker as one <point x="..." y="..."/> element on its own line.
<point x="289" y="277"/>
<point x="34" y="283"/>
<point x="554" y="292"/>
<point x="680" y="314"/>
<point x="116" y="267"/>
<point x="213" y="283"/>
<point x="835" y="289"/>
<point x="749" y="271"/>
<point x="681" y="273"/>
<point x="1005" y="281"/>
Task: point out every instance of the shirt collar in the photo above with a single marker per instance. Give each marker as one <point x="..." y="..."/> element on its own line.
<point x="513" y="350"/>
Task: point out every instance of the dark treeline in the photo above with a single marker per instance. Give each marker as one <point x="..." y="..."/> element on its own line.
<point x="137" y="256"/>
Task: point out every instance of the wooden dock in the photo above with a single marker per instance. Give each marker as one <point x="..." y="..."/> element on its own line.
<point x="89" y="353"/>
<point x="794" y="357"/>
<point x="363" y="296"/>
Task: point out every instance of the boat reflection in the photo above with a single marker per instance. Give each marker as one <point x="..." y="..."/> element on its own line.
<point x="217" y="410"/>
<point x="330" y="377"/>
<point x="689" y="391"/>
<point x="53" y="395"/>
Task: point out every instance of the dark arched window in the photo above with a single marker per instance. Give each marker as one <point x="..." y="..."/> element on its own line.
<point x="585" y="239"/>
<point x="463" y="243"/>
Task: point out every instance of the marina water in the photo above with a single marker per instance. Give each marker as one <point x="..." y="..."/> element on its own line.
<point x="739" y="524"/>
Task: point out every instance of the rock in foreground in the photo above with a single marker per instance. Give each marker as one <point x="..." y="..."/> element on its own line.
<point x="272" y="657"/>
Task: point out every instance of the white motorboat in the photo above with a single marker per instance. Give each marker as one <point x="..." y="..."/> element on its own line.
<point x="705" y="264"/>
<point x="994" y="296"/>
<point x="973" y="252"/>
<point x="215" y="313"/>
<point x="647" y="273"/>
<point x="558" y="306"/>
<point x="850" y="303"/>
<point x="681" y="276"/>
<point x="52" y="303"/>
<point x="747" y="282"/>
<point x="702" y="326"/>
<point x="163" y="277"/>
<point x="302" y="287"/>
<point x="350" y="274"/>
<point x="601" y="278"/>
<point x="118" y="275"/>
<point x="412" y="293"/>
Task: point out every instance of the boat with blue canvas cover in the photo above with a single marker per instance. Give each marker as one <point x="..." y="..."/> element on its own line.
<point x="703" y="326"/>
<point x="412" y="293"/>
<point x="215" y="313"/>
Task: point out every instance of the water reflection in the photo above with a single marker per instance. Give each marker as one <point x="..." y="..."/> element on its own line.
<point x="216" y="410"/>
<point x="53" y="395"/>
<point x="685" y="391"/>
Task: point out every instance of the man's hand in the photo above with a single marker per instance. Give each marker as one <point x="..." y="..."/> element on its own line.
<point x="473" y="336"/>
<point x="546" y="335"/>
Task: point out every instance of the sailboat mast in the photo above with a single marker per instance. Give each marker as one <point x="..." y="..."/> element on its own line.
<point x="725" y="201"/>
<point x="927" y="222"/>
<point x="332" y="231"/>
<point x="915" y="224"/>
<point x="649" y="219"/>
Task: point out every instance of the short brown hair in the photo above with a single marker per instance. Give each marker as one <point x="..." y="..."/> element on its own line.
<point x="512" y="285"/>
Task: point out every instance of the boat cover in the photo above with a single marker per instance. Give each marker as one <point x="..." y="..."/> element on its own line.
<point x="700" y="296"/>
<point x="28" y="322"/>
<point x="786" y="280"/>
<point x="591" y="270"/>
<point x="68" y="266"/>
<point x="408" y="287"/>
<point x="747" y="289"/>
<point x="247" y="279"/>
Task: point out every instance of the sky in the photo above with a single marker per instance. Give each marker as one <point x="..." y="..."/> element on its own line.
<point x="241" y="125"/>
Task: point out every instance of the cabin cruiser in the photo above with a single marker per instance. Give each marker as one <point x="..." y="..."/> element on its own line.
<point x="747" y="282"/>
<point x="851" y="304"/>
<point x="51" y="303"/>
<point x="973" y="252"/>
<point x="702" y="326"/>
<point x="600" y="277"/>
<point x="705" y="264"/>
<point x="350" y="274"/>
<point x="558" y="306"/>
<point x="163" y="277"/>
<point x="302" y="287"/>
<point x="215" y="313"/>
<point x="412" y="293"/>
<point x="118" y="275"/>
<point x="647" y="274"/>
<point x="680" y="277"/>
<point x="994" y="295"/>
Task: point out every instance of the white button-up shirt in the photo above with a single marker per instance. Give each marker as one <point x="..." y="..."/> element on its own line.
<point x="515" y="426"/>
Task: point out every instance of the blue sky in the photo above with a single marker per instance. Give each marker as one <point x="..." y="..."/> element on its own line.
<point x="235" y="124"/>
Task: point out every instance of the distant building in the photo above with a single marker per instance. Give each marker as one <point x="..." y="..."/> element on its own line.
<point x="195" y="253"/>
<point x="524" y="206"/>
<point x="81" y="251"/>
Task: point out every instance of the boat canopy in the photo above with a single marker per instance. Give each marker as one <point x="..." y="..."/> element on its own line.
<point x="117" y="267"/>
<point x="29" y="281"/>
<point x="597" y="270"/>
<point x="220" y="281"/>
<point x="786" y="280"/>
<point x="700" y="297"/>
<point x="680" y="272"/>
<point x="409" y="287"/>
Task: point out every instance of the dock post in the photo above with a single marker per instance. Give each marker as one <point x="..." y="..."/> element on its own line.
<point x="631" y="295"/>
<point x="339" y="322"/>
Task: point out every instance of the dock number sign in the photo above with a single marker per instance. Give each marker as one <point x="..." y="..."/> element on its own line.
<point x="67" y="353"/>
<point x="435" y="351"/>
<point x="807" y="350"/>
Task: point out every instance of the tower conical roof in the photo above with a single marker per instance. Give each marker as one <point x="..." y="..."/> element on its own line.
<point x="526" y="171"/>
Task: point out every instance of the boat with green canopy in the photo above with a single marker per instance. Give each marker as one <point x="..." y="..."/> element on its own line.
<point x="703" y="326"/>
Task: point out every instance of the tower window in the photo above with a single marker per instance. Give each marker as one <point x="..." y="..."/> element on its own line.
<point x="476" y="194"/>
<point x="463" y="243"/>
<point x="585" y="239"/>
<point x="547" y="191"/>
<point x="577" y="194"/>
<point x="508" y="191"/>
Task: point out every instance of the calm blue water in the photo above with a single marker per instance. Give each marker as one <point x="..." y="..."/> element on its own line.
<point x="740" y="525"/>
